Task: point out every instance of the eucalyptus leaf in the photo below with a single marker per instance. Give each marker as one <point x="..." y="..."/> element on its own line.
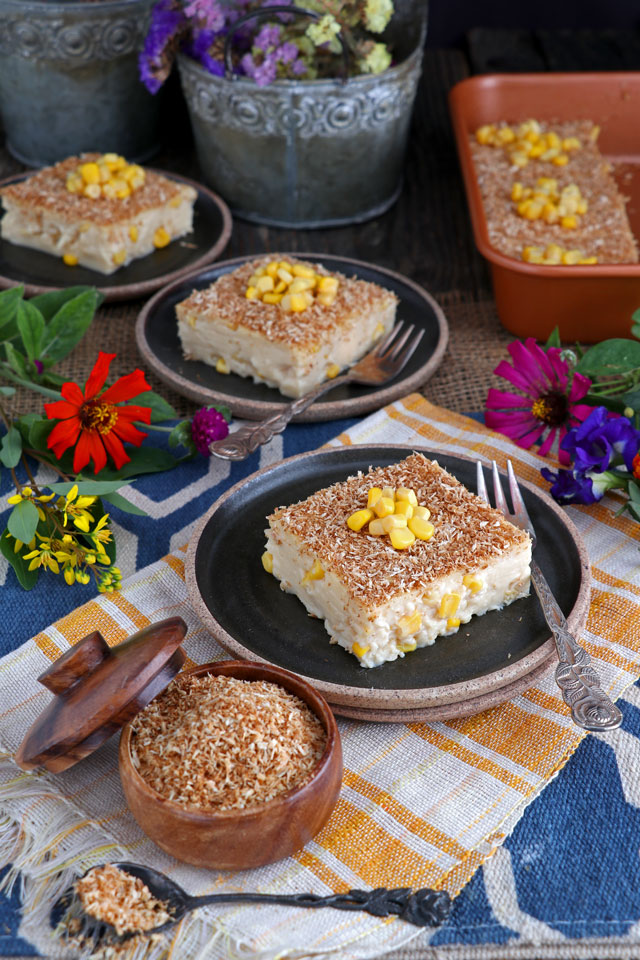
<point x="31" y="327"/>
<point x="49" y="303"/>
<point x="11" y="448"/>
<point x="9" y="300"/>
<point x="26" y="578"/>
<point x="7" y="391"/>
<point x="89" y="488"/>
<point x="16" y="361"/>
<point x="117" y="500"/>
<point x="69" y="325"/>
<point x="610" y="357"/>
<point x="23" y="521"/>
<point x="161" y="410"/>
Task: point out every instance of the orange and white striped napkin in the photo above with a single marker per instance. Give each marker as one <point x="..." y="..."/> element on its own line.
<point x="421" y="804"/>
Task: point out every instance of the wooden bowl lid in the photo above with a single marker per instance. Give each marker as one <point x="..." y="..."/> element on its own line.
<point x="97" y="690"/>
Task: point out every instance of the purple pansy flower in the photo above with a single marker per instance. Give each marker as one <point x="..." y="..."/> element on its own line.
<point x="569" y="488"/>
<point x="208" y="425"/>
<point x="602" y="438"/>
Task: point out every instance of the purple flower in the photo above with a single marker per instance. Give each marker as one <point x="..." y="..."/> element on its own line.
<point x="571" y="488"/>
<point x="263" y="73"/>
<point x="287" y="52"/>
<point x="208" y="12"/>
<point x="299" y="67"/>
<point x="600" y="440"/>
<point x="199" y="49"/>
<point x="268" y="37"/>
<point x="208" y="425"/>
<point x="156" y="57"/>
<point x="39" y="365"/>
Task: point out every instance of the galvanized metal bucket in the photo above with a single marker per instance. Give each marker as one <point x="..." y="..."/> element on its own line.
<point x="312" y="153"/>
<point x="69" y="79"/>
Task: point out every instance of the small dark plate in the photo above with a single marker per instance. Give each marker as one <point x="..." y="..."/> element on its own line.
<point x="40" y="272"/>
<point x="157" y="338"/>
<point x="490" y="658"/>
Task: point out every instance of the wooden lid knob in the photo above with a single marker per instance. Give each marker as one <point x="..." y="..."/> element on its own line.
<point x="74" y="665"/>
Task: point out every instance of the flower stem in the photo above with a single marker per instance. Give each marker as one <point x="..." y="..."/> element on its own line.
<point x="153" y="426"/>
<point x="10" y="375"/>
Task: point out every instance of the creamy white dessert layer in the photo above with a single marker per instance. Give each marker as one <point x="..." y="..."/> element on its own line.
<point x="100" y="247"/>
<point x="410" y="620"/>
<point x="293" y="369"/>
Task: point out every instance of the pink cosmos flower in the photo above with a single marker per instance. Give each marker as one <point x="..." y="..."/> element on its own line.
<point x="548" y="404"/>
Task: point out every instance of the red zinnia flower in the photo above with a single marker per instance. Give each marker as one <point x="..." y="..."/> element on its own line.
<point x="548" y="401"/>
<point x="636" y="466"/>
<point x="95" y="424"/>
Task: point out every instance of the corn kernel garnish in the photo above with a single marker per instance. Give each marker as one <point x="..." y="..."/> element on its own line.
<point x="70" y="259"/>
<point x="161" y="238"/>
<point x="296" y="285"/>
<point x="267" y="561"/>
<point x="546" y="202"/>
<point x="555" y="255"/>
<point x="109" y="176"/>
<point x="527" y="142"/>
<point x="393" y="512"/>
<point x="359" y="650"/>
<point x="316" y="572"/>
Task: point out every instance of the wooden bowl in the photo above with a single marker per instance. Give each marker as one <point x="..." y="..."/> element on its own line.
<point x="239" y="839"/>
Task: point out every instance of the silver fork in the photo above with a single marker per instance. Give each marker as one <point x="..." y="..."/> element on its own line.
<point x="590" y="706"/>
<point x="384" y="362"/>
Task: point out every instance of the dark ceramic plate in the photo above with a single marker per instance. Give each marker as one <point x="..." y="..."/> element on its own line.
<point x="40" y="272"/>
<point x="157" y="338"/>
<point x="489" y="660"/>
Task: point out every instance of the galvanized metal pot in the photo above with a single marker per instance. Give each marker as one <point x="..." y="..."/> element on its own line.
<point x="69" y="79"/>
<point x="306" y="153"/>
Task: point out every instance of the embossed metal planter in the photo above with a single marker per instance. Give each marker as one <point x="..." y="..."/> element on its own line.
<point x="69" y="79"/>
<point x="304" y="153"/>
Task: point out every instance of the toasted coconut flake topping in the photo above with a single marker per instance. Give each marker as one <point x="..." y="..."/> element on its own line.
<point x="469" y="534"/>
<point x="113" y="896"/>
<point x="218" y="743"/>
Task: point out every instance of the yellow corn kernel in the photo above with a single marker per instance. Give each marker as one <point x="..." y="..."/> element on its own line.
<point x="517" y="191"/>
<point x="70" y="259"/>
<point x="532" y="254"/>
<point x="280" y="287"/>
<point x="448" y="605"/>
<point x="284" y="275"/>
<point x="561" y="160"/>
<point x="131" y="171"/>
<point x="384" y="506"/>
<point x="299" y="270"/>
<point x="272" y="269"/>
<point x="272" y="297"/>
<point x="394" y="521"/>
<point x="92" y="190"/>
<point x="358" y="519"/>
<point x="174" y="202"/>
<point x="519" y="159"/>
<point x="114" y="161"/>
<point x="122" y="188"/>
<point x="569" y="257"/>
<point x="299" y="285"/>
<point x="553" y="140"/>
<point x="222" y="365"/>
<point x="453" y="623"/>
<point x="105" y="173"/>
<point x="265" y="284"/>
<point x="285" y="303"/>
<point x="422" y="512"/>
<point x="569" y="223"/>
<point x="251" y="293"/>
<point x="359" y="650"/>
<point x="582" y="206"/>
<point x="406" y="493"/>
<point x="532" y="209"/>
<point x="119" y="257"/>
<point x="537" y="149"/>
<point x="404" y="508"/>
<point x="316" y="572"/>
<point x="298" y="302"/>
<point x="267" y="561"/>
<point x="332" y="371"/>
<point x="571" y="143"/>
<point x="161" y="238"/>
<point x="133" y="233"/>
<point x="84" y="226"/>
<point x="375" y="528"/>
<point x="389" y="492"/>
<point x="549" y="213"/>
<point x="90" y="172"/>
<point x="472" y="583"/>
<point x="588" y="260"/>
<point x="409" y="625"/>
<point x="379" y="330"/>
<point x="486" y="133"/>
<point x="327" y="284"/>
<point x="285" y="265"/>
<point x="75" y="183"/>
<point x="594" y="133"/>
<point x="505" y="135"/>
<point x="373" y="496"/>
<point x="407" y="646"/>
<point x="108" y="190"/>
<point x="423" y="529"/>
<point x="326" y="299"/>
<point x="553" y="253"/>
<point x="401" y="538"/>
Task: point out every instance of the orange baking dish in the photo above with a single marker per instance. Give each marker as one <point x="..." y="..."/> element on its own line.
<point x="587" y="303"/>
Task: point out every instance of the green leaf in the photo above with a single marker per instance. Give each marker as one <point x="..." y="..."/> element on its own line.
<point x="635" y="330"/>
<point x="116" y="500"/>
<point x="39" y="431"/>
<point x="554" y="339"/>
<point x="49" y="303"/>
<point x="52" y="379"/>
<point x="9" y="300"/>
<point x="160" y="409"/>
<point x="149" y="460"/>
<point x="26" y="578"/>
<point x="31" y="327"/>
<point x="7" y="391"/>
<point x="610" y="357"/>
<point x="634" y="492"/>
<point x="634" y="509"/>
<point x="23" y="521"/>
<point x="69" y="325"/>
<point x="89" y="488"/>
<point x="16" y="361"/>
<point x="181" y="436"/>
<point x="11" y="448"/>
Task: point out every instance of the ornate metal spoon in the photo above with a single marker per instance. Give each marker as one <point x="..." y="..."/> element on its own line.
<point x="424" y="908"/>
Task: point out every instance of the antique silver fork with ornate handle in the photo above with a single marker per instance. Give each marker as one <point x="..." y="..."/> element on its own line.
<point x="384" y="362"/>
<point x="590" y="706"/>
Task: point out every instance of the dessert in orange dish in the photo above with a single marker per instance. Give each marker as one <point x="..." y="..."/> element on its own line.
<point x="97" y="211"/>
<point x="284" y="322"/>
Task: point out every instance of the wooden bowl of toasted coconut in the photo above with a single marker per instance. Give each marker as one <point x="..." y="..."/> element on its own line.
<point x="234" y="765"/>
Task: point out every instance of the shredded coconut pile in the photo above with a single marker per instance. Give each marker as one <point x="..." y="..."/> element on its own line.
<point x="218" y="743"/>
<point x="113" y="896"/>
